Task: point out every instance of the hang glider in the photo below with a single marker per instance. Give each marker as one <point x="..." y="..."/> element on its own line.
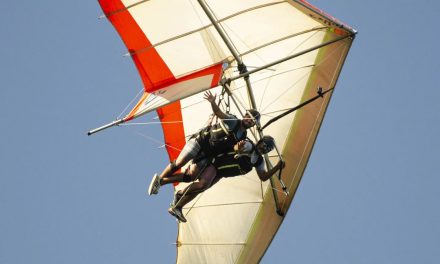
<point x="266" y="54"/>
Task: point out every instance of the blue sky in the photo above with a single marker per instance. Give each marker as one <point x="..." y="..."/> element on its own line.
<point x="369" y="193"/>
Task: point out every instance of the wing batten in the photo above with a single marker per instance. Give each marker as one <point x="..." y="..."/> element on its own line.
<point x="198" y="30"/>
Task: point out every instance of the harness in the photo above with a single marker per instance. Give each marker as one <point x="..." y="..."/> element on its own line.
<point x="230" y="164"/>
<point x="216" y="139"/>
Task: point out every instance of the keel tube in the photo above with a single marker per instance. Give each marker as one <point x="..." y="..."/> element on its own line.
<point x="114" y="123"/>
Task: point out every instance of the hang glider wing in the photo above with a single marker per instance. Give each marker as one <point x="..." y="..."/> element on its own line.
<point x="290" y="48"/>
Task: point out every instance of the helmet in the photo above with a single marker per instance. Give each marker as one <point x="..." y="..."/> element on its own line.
<point x="255" y="114"/>
<point x="265" y="145"/>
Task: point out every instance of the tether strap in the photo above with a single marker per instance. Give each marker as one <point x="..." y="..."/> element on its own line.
<point x="320" y="94"/>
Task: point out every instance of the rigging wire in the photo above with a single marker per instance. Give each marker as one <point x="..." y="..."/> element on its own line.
<point x="228" y="74"/>
<point x="131" y="102"/>
<point x="276" y="74"/>
<point x="300" y="79"/>
<point x="225" y="204"/>
<point x="277" y="66"/>
<point x="284" y="38"/>
<point x="162" y="143"/>
<point x="244" y="44"/>
<point x="194" y="203"/>
<point x="214" y="47"/>
<point x="221" y="25"/>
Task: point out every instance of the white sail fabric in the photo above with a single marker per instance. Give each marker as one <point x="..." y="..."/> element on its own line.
<point x="174" y="40"/>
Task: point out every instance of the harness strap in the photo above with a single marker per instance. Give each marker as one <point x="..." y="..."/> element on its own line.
<point x="229" y="166"/>
<point x="222" y="125"/>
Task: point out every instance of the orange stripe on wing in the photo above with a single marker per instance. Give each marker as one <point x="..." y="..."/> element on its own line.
<point x="133" y="112"/>
<point x="174" y="135"/>
<point x="152" y="68"/>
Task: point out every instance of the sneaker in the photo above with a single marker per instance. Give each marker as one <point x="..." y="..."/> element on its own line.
<point x="154" y="185"/>
<point x="177" y="213"/>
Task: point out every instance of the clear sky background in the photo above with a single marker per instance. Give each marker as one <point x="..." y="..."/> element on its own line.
<point x="370" y="193"/>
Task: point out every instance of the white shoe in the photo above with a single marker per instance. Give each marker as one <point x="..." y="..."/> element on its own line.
<point x="154" y="185"/>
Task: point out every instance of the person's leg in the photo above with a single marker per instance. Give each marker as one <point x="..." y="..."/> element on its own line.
<point x="174" y="166"/>
<point x="168" y="175"/>
<point x="188" y="152"/>
<point x="189" y="196"/>
<point x="186" y="195"/>
<point x="192" y="190"/>
<point x="216" y="179"/>
<point x="173" y="178"/>
<point x="189" y="175"/>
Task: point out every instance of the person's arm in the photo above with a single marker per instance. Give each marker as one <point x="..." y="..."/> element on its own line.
<point x="217" y="111"/>
<point x="265" y="175"/>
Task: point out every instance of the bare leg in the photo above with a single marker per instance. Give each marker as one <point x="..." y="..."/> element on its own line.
<point x="216" y="179"/>
<point x="173" y="167"/>
<point x="190" y="196"/>
<point x="204" y="183"/>
<point x="189" y="152"/>
<point x="176" y="177"/>
<point x="191" y="174"/>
